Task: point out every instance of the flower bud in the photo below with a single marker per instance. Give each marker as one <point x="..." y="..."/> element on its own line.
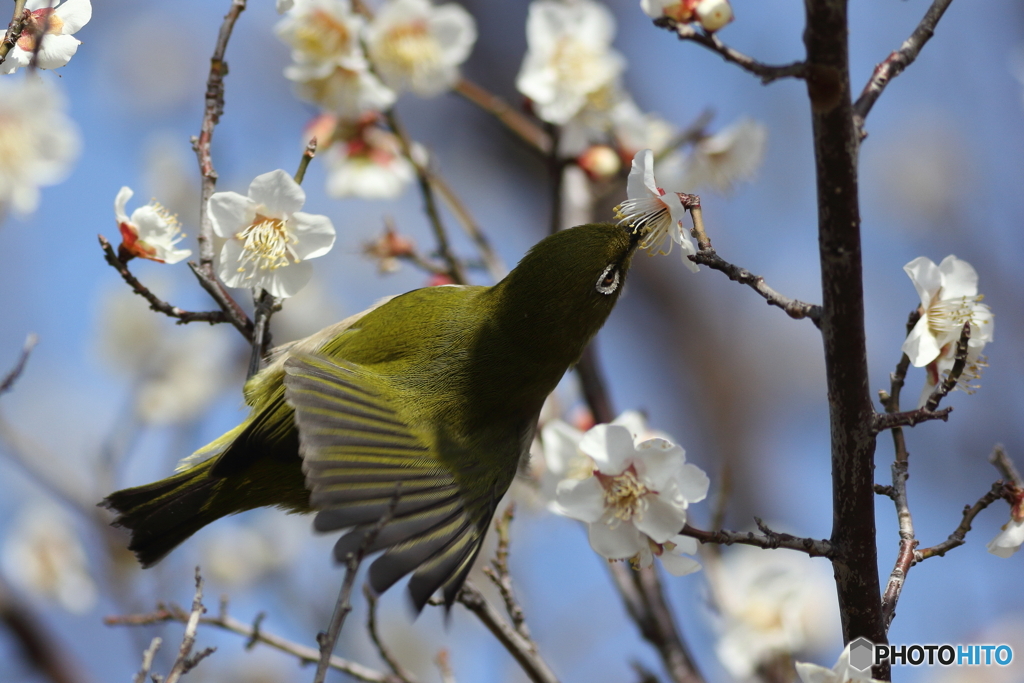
<point x="600" y="162"/>
<point x="713" y="14"/>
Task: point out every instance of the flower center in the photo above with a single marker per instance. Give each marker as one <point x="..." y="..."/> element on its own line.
<point x="573" y="62"/>
<point x="266" y="245"/>
<point x="40" y="21"/>
<point x="946" y="316"/>
<point x="322" y="35"/>
<point x="410" y="47"/>
<point x="624" y="495"/>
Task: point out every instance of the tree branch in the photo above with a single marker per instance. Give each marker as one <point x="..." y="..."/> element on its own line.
<point x="768" y="539"/>
<point x="14" y="29"/>
<point x="524" y="127"/>
<point x="371" y="626"/>
<point x="499" y="575"/>
<point x="999" y="490"/>
<point x="766" y="72"/>
<point x="959" y="363"/>
<point x="7" y="383"/>
<point x="909" y="418"/>
<point x="896" y="62"/>
<point x="184" y="663"/>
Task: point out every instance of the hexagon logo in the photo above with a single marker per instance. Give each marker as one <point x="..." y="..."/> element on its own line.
<point x="862" y="654"/>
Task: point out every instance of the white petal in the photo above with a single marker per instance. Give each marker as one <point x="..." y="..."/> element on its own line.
<point x="120" y="202"/>
<point x="229" y="213"/>
<point x="561" y="443"/>
<point x="1009" y="541"/>
<point x="595" y="23"/>
<point x="920" y="345"/>
<point x="679" y="565"/>
<point x="57" y="50"/>
<point x="581" y="499"/>
<point x="228" y="264"/>
<point x="278" y="193"/>
<point x="314" y="233"/>
<point x="926" y="278"/>
<point x="641" y="176"/>
<point x="286" y="281"/>
<point x="610" y="446"/>
<point x="688" y="248"/>
<point x="620" y="543"/>
<point x="812" y="673"/>
<point x="661" y="520"/>
<point x="693" y="483"/>
<point x="658" y="462"/>
<point x="455" y="31"/>
<point x="684" y="544"/>
<point x="958" y="278"/>
<point x="75" y="14"/>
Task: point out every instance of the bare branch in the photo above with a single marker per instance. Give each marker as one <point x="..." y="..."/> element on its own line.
<point x="523" y="650"/>
<point x="766" y="72"/>
<point x="11" y="377"/>
<point x="147" y="660"/>
<point x="382" y="649"/>
<point x="767" y="539"/>
<point x="183" y="663"/>
<point x="999" y="490"/>
<point x="523" y="126"/>
<point x="253" y="634"/>
<point x="908" y="542"/>
<point x="14" y="29"/>
<point x="1001" y="461"/>
<point x="959" y="363"/>
<point x="156" y="303"/>
<point x="343" y="606"/>
<point x="264" y="305"/>
<point x="896" y="62"/>
<point x="307" y="156"/>
<point x="909" y="418"/>
<point x="498" y="573"/>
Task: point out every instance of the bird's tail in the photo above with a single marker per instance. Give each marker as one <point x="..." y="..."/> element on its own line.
<point x="163" y="514"/>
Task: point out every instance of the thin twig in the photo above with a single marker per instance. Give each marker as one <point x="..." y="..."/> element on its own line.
<point x="11" y="377"/>
<point x="183" y="663"/>
<point x="909" y="418"/>
<point x="767" y="539"/>
<point x="263" y="307"/>
<point x="343" y="606"/>
<point x="307" y="156"/>
<point x="523" y="650"/>
<point x="999" y="490"/>
<point x="520" y="124"/>
<point x="156" y="303"/>
<point x="455" y="271"/>
<point x="147" y="660"/>
<point x="498" y="573"/>
<point x="766" y="72"/>
<point x="896" y="62"/>
<point x="212" y="112"/>
<point x="959" y="363"/>
<point x="382" y="649"/>
<point x="1001" y="461"/>
<point x="14" y="29"/>
<point x="255" y="634"/>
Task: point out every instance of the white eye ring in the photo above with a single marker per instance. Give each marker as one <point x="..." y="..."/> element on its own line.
<point x="614" y="285"/>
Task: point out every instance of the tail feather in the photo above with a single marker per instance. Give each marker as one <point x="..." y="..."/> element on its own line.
<point x="163" y="514"/>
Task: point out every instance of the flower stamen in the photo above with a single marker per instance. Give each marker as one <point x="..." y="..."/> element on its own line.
<point x="266" y="245"/>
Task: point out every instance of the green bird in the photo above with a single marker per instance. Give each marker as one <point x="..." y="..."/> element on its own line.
<point x="435" y="392"/>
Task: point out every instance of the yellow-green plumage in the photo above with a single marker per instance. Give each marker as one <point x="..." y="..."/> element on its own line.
<point x="436" y="391"/>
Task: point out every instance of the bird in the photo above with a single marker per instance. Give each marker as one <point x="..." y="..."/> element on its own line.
<point x="420" y="408"/>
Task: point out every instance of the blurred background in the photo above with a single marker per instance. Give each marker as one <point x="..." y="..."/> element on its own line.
<point x="114" y="395"/>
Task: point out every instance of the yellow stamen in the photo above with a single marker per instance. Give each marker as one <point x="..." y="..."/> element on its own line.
<point x="266" y="245"/>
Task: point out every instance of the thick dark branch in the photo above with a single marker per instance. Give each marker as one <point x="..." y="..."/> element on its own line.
<point x="767" y="539"/>
<point x="19" y="367"/>
<point x="999" y="490"/>
<point x="896" y="62"/>
<point x="909" y="418"/>
<point x="523" y="650"/>
<point x="766" y="72"/>
<point x="156" y="303"/>
<point x="524" y="127"/>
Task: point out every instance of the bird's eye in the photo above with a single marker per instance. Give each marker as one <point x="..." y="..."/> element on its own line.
<point x="609" y="280"/>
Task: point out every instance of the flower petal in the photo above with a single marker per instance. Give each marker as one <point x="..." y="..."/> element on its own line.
<point x="620" y="543"/>
<point x="640" y="183"/>
<point x="278" y="193"/>
<point x="561" y="442"/>
<point x="287" y="281"/>
<point x="75" y="14"/>
<point x="693" y="483"/>
<point x="120" y="202"/>
<point x="1009" y="541"/>
<point x="679" y="565"/>
<point x="958" y="278"/>
<point x="659" y="462"/>
<point x="581" y="499"/>
<point x="661" y="520"/>
<point x="684" y="544"/>
<point x="57" y="50"/>
<point x="229" y="213"/>
<point x="229" y="264"/>
<point x="610" y="446"/>
<point x="926" y="277"/>
<point x="920" y="345"/>
<point x="314" y="233"/>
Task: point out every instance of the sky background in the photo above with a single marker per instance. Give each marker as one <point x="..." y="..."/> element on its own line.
<point x="941" y="173"/>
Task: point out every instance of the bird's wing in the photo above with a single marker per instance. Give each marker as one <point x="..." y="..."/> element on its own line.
<point x="357" y="452"/>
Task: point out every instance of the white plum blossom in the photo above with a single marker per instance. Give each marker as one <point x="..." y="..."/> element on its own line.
<point x="769" y="605"/>
<point x="1011" y="537"/>
<point x="710" y="14"/>
<point x="53" y="23"/>
<point x="38" y="142"/>
<point x="842" y="672"/>
<point x="346" y="92"/>
<point x="43" y="555"/>
<point x="949" y="298"/>
<point x="657" y="213"/>
<point x="151" y="232"/>
<point x="418" y="47"/>
<point x="635" y="498"/>
<point x="268" y="239"/>
<point x="367" y="161"/>
<point x="723" y="159"/>
<point x="569" y="56"/>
